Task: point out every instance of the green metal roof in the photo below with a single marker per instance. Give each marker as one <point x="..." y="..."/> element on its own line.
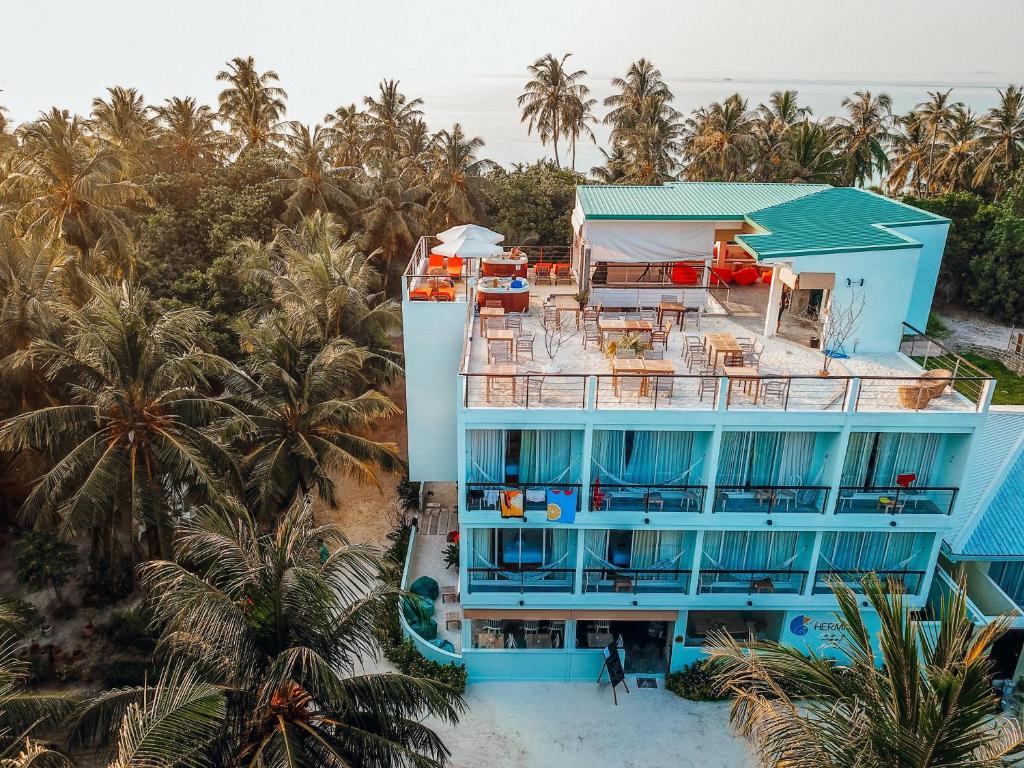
<point x="687" y="200"/>
<point x="833" y="220"/>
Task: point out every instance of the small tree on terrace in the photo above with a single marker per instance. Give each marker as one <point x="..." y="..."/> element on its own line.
<point x="42" y="560"/>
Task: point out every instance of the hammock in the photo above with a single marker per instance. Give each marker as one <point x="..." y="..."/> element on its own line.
<point x="538" y="575"/>
<point x="901" y="565"/>
<point x="755" y="576"/>
<point x="616" y="480"/>
<point x="661" y="565"/>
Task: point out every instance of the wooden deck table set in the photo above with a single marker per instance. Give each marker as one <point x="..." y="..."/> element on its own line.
<point x="565" y="302"/>
<point x="496" y="371"/>
<point x="671" y="308"/>
<point x="606" y="324"/>
<point x="637" y="367"/>
<point x="723" y="344"/>
<point x="506" y="336"/>
<point x="747" y="376"/>
<point x="486" y="312"/>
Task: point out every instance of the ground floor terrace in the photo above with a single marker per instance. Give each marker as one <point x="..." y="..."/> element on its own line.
<point x="693" y="348"/>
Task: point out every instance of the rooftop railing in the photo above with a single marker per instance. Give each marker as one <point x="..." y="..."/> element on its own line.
<point x="903" y="582"/>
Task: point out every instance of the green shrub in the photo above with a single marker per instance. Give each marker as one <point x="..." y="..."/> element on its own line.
<point x="121" y="673"/>
<point x="129" y="631"/>
<point x="397" y="648"/>
<point x="694" y="682"/>
<point x="26" y="615"/>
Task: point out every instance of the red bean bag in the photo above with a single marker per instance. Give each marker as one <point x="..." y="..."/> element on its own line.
<point x="721" y="275"/>
<point x="683" y="274"/>
<point x="766" y="276"/>
<point x="745" y="276"/>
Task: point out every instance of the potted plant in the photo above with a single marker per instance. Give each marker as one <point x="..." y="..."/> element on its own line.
<point x="631" y="341"/>
<point x="582" y="297"/>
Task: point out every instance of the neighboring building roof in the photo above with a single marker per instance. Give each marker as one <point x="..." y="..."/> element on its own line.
<point x="687" y="200"/>
<point x="999" y="534"/>
<point x="834" y="220"/>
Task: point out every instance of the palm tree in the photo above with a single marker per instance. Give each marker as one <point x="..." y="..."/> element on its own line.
<point x="394" y="217"/>
<point x="614" y="169"/>
<point x="188" y="136"/>
<point x="651" y="146"/>
<point x="962" y="143"/>
<point x="309" y="177"/>
<point x="307" y="421"/>
<point x="457" y="184"/>
<point x="925" y="701"/>
<point x="388" y="118"/>
<point x="723" y="140"/>
<point x="265" y="644"/>
<point x="136" y="404"/>
<point x="863" y="136"/>
<point x="347" y="136"/>
<point x="1002" y="140"/>
<point x="642" y="84"/>
<point x="910" y="149"/>
<point x="251" y="104"/>
<point x="548" y="98"/>
<point x="935" y="115"/>
<point x="810" y="154"/>
<point x="64" y="183"/>
<point x="124" y="122"/>
<point x="771" y="125"/>
<point x="579" y="116"/>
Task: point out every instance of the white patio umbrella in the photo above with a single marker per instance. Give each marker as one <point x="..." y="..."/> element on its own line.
<point x="471" y="231"/>
<point x="468" y="248"/>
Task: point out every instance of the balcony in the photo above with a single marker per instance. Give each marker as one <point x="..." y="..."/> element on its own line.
<point x="724" y="582"/>
<point x="635" y="580"/>
<point x="895" y="500"/>
<point x="771" y="499"/>
<point x="647" y="498"/>
<point x="894" y="582"/>
<point x="519" y="580"/>
<point x="488" y="496"/>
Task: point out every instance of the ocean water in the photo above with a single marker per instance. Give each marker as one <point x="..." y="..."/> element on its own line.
<point x="486" y="105"/>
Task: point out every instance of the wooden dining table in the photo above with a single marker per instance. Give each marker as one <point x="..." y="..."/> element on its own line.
<point x="486" y="312"/>
<point x="503" y="336"/>
<point x="566" y="302"/>
<point x="500" y="371"/>
<point x="671" y="308"/>
<point x="606" y="324"/>
<point x="747" y="375"/>
<point x="632" y="366"/>
<point x="724" y="344"/>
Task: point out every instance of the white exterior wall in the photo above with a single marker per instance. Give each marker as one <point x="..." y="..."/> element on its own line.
<point x="889" y="278"/>
<point x="433" y="335"/>
<point x="933" y="241"/>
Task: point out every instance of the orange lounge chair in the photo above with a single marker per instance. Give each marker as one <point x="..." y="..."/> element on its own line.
<point x="420" y="294"/>
<point x="454" y="267"/>
<point x="435" y="264"/>
<point x="444" y="293"/>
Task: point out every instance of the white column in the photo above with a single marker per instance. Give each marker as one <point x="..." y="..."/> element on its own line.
<point x="771" y="314"/>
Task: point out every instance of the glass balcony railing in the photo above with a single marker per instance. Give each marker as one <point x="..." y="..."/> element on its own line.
<point x="771" y="499"/>
<point x="902" y="582"/>
<point x="635" y="580"/>
<point x="895" y="500"/>
<point x="715" y="581"/>
<point x="533" y="497"/>
<point x="520" y="580"/>
<point x="647" y="498"/>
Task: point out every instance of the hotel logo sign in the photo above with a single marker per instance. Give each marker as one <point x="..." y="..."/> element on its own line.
<point x="828" y="631"/>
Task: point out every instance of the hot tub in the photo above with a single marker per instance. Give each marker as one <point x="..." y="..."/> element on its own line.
<point x="503" y="266"/>
<point x="513" y="299"/>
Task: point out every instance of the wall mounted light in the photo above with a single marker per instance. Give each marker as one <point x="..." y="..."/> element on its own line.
<point x="849" y="282"/>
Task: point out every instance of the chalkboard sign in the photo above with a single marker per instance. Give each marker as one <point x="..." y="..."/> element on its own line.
<point x="611" y="660"/>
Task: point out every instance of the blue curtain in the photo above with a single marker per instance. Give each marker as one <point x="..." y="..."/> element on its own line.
<point x="766" y="458"/>
<point x="485" y="455"/>
<point x="608" y="456"/>
<point x="549" y="456"/>
<point x="896" y="453"/>
<point x="858" y="458"/>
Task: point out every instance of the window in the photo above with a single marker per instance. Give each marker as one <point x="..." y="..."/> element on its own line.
<point x="519" y="634"/>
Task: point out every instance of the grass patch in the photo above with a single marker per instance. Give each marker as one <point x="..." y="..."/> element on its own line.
<point x="1009" y="386"/>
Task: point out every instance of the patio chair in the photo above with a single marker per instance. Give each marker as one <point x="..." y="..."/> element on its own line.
<point x="633" y="316"/>
<point x="632" y="384"/>
<point x="660" y="336"/>
<point x="435" y="264"/>
<point x="531" y="626"/>
<point x="670" y="297"/>
<point x="664" y="385"/>
<point x="493" y="304"/>
<point x="650" y="315"/>
<point x="534" y="389"/>
<point x="492" y="625"/>
<point x="691" y="316"/>
<point x="514" y="323"/>
<point x="524" y="345"/>
<point x="498" y="353"/>
<point x="494" y="324"/>
<point x="708" y="382"/>
<point x="776" y="389"/>
<point x="688" y="498"/>
<point x="625" y="354"/>
<point x="654" y="354"/>
<point x="590" y="314"/>
<point x="454" y="267"/>
<point x="753" y="357"/>
<point x="545" y="274"/>
<point x="613" y="337"/>
<point x="562" y="274"/>
<point x="591" y="333"/>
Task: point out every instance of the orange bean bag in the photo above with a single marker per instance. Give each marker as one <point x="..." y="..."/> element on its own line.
<point x="766" y="276"/>
<point x="721" y="275"/>
<point x="746" y="276"/>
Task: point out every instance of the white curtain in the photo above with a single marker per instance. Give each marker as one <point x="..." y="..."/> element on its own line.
<point x="750" y="550"/>
<point x="485" y="450"/>
<point x="549" y="456"/>
<point x="608" y="456"/>
<point x="895" y="453"/>
<point x="482" y="549"/>
<point x="649" y="241"/>
<point x="869" y="551"/>
<point x="765" y="458"/>
<point x="858" y="458"/>
<point x="645" y="549"/>
<point x="795" y="459"/>
<point x="596" y="541"/>
<point x="660" y="458"/>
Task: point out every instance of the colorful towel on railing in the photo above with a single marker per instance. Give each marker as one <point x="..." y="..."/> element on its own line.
<point x="535" y="495"/>
<point x="511" y="503"/>
<point x="561" y="505"/>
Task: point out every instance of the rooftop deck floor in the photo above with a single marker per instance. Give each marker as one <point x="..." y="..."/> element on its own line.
<point x="560" y="366"/>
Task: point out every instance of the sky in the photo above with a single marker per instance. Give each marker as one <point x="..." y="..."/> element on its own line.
<point x="468" y="59"/>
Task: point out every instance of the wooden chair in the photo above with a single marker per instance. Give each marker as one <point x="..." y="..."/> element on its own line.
<point x="498" y="353"/>
<point x="590" y="315"/>
<point x="591" y="333"/>
<point x="493" y="304"/>
<point x="777" y="389"/>
<point x="650" y="315"/>
<point x="534" y="389"/>
<point x="670" y="297"/>
<point x="660" y="336"/>
<point x="708" y="382"/>
<point x="531" y="626"/>
<point x="524" y="345"/>
<point x="494" y="324"/>
<point x="691" y="316"/>
<point x="514" y="322"/>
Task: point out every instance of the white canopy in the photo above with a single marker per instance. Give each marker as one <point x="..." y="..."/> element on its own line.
<point x="649" y="241"/>
<point x="471" y="231"/>
<point x="468" y="248"/>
